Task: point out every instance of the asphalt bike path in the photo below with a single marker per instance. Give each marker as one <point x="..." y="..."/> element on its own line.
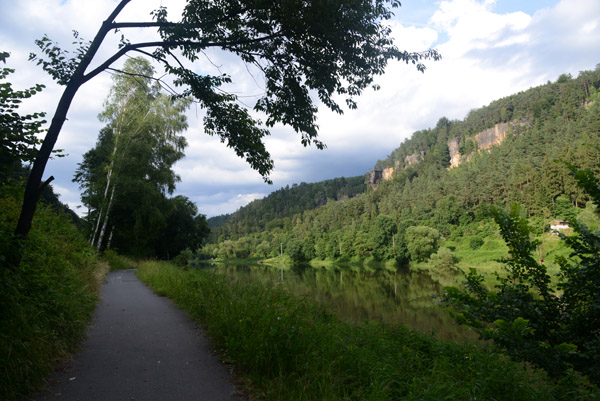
<point x="141" y="347"/>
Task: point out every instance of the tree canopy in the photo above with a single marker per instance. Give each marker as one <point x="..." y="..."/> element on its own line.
<point x="125" y="178"/>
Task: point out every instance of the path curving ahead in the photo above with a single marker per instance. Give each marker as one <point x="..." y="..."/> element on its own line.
<point x="141" y="347"/>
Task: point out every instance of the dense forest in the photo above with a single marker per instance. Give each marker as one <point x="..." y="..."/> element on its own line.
<point x="535" y="153"/>
<point x="438" y="182"/>
<point x="277" y="208"/>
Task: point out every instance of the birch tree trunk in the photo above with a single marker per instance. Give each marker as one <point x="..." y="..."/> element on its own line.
<point x="108" y="177"/>
<point x="112" y="230"/>
<point x="106" y="217"/>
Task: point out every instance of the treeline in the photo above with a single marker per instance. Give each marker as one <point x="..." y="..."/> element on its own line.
<point x="429" y="201"/>
<point x="276" y="209"/>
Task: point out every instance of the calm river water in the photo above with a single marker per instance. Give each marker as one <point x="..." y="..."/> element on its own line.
<point x="357" y="294"/>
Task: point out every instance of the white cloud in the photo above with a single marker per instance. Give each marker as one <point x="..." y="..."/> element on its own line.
<point x="471" y="24"/>
<point x="78" y="208"/>
<point x="225" y="202"/>
<point x="63" y="191"/>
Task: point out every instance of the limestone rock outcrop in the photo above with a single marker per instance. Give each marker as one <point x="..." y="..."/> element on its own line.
<point x="375" y="178"/>
<point x="454" y="150"/>
<point x="413" y="158"/>
<point x="492" y="136"/>
<point x="485" y="139"/>
<point x="387" y="173"/>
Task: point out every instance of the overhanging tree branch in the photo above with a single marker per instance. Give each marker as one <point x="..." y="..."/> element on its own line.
<point x="171" y="44"/>
<point x="167" y="24"/>
<point x="162" y="83"/>
<point x="121" y="25"/>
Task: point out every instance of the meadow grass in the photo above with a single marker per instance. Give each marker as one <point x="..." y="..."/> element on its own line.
<point x="45" y="304"/>
<point x="486" y="259"/>
<point x="494" y="248"/>
<point x="285" y="348"/>
<point x="118" y="262"/>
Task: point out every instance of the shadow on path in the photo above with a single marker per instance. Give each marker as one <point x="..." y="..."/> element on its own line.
<point x="141" y="347"/>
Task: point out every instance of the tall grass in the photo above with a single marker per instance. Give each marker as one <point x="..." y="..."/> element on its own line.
<point x="291" y="349"/>
<point x="118" y="262"/>
<point x="46" y="304"/>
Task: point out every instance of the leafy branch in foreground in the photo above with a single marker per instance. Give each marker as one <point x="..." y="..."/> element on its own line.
<point x="17" y="132"/>
<point x="555" y="327"/>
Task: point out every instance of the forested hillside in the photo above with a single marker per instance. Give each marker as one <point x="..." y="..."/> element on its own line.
<point x="276" y="209"/>
<point x="437" y="184"/>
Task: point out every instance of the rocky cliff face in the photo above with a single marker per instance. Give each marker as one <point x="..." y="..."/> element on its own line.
<point x="454" y="150"/>
<point x="387" y="173"/>
<point x="375" y="178"/>
<point x="492" y="136"/>
<point x="485" y="139"/>
<point x="413" y="159"/>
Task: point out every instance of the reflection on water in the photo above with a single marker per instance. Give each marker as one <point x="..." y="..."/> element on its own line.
<point x="357" y="294"/>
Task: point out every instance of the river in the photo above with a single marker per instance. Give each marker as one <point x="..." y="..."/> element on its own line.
<point x="357" y="294"/>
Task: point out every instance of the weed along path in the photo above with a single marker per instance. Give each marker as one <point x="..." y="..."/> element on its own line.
<point x="141" y="347"/>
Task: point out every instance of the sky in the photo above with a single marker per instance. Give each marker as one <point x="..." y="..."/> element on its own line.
<point x="490" y="49"/>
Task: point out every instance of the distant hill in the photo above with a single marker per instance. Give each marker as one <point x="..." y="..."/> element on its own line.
<point x="284" y="203"/>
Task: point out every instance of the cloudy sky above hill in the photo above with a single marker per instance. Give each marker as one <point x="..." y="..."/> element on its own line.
<point x="490" y="49"/>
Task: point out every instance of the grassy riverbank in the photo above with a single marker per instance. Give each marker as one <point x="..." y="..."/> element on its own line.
<point x="46" y="304"/>
<point x="285" y="348"/>
<point x="285" y="262"/>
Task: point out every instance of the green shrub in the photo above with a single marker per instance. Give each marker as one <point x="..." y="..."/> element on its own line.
<point x="46" y="303"/>
<point x="555" y="327"/>
<point x="118" y="262"/>
<point x="262" y="250"/>
<point x="294" y="250"/>
<point x="589" y="216"/>
<point x="445" y="259"/>
<point x="184" y="258"/>
<point x="475" y="242"/>
<point x="421" y="242"/>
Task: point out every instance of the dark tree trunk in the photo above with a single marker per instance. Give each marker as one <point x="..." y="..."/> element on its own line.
<point x="34" y="187"/>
